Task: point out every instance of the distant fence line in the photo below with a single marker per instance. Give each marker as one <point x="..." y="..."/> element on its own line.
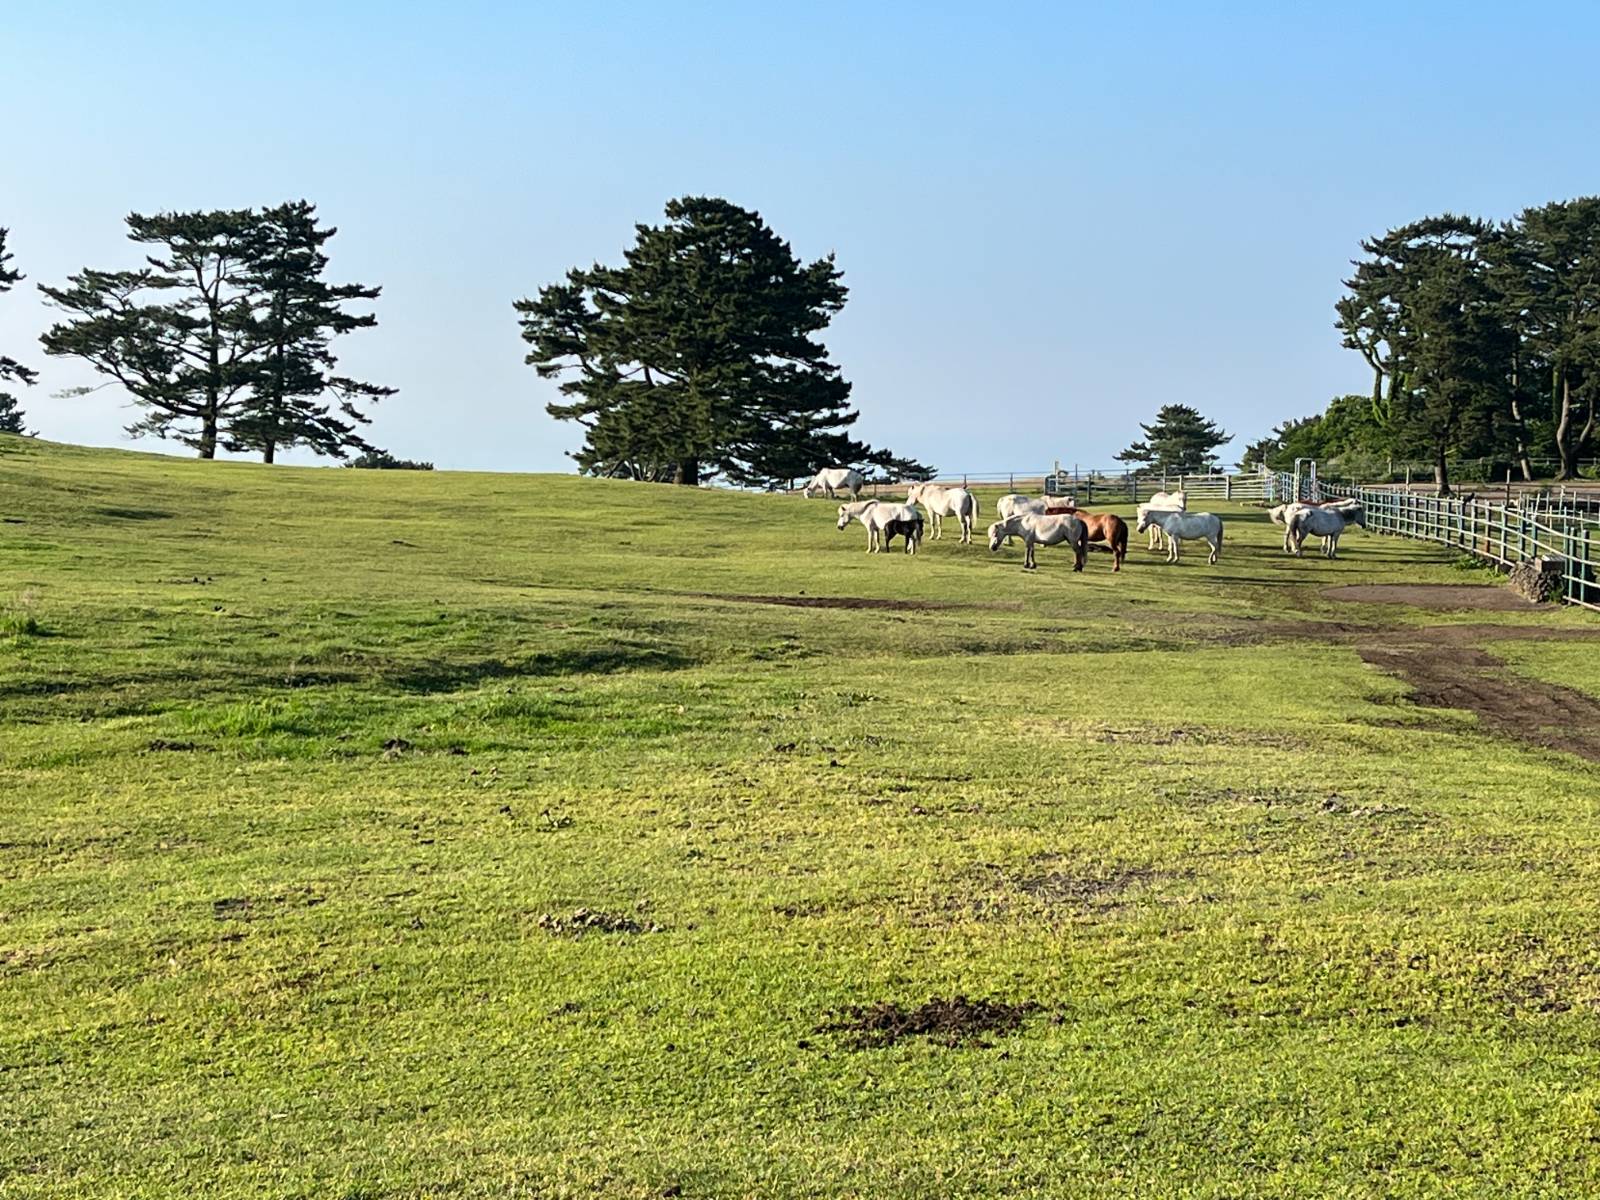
<point x="1090" y="485"/>
<point x="1563" y="530"/>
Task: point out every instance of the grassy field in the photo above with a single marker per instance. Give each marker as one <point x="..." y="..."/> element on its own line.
<point x="369" y="834"/>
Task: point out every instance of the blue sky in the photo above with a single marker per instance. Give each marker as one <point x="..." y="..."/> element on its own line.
<point x="1052" y="218"/>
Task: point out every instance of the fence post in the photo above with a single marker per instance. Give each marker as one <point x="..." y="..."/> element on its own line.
<point x="1227" y="487"/>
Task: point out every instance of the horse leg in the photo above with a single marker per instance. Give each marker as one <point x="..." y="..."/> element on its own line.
<point x="1216" y="549"/>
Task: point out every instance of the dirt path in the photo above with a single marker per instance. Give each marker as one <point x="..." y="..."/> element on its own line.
<point x="1439" y="597"/>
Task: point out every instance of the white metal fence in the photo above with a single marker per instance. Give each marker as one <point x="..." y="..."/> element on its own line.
<point x="1566" y="533"/>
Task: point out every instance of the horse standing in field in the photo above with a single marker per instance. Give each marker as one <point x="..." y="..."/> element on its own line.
<point x="1014" y="504"/>
<point x="942" y="502"/>
<point x="1184" y="526"/>
<point x="1161" y="502"/>
<point x="876" y="515"/>
<point x="1037" y="530"/>
<point x="910" y="530"/>
<point x="1326" y="523"/>
<point x="830" y="481"/>
<point x="1281" y="514"/>
<point x="1109" y="529"/>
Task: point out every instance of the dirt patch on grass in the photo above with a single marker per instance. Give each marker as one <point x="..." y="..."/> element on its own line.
<point x="858" y="602"/>
<point x="593" y="921"/>
<point x="1437" y="596"/>
<point x="1444" y="673"/>
<point x="945" y="1021"/>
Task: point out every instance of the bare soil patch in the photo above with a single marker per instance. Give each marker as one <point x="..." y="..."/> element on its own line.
<point x="945" y="1021"/>
<point x="1445" y="673"/>
<point x="1436" y="596"/>
<point x="593" y="921"/>
<point x="857" y="602"/>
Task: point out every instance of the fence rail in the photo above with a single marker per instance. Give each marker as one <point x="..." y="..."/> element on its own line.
<point x="1568" y="534"/>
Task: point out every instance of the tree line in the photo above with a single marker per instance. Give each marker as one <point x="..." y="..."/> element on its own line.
<point x="699" y="357"/>
<point x="1483" y="339"/>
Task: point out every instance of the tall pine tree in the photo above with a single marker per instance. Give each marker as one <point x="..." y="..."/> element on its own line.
<point x="1427" y="291"/>
<point x="10" y="368"/>
<point x="179" y="333"/>
<point x="295" y="398"/>
<point x="699" y="356"/>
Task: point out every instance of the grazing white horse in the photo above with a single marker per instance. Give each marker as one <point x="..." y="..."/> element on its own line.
<point x="876" y="515"/>
<point x="1325" y="523"/>
<point x="1161" y="502"/>
<point x="942" y="502"/>
<point x="1281" y="513"/>
<point x="832" y="480"/>
<point x="1184" y="527"/>
<point x="1037" y="530"/>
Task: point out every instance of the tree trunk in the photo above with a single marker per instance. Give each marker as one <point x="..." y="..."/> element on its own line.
<point x="1441" y="473"/>
<point x="1521" y="427"/>
<point x="208" y="432"/>
<point x="1563" y="428"/>
<point x="267" y="451"/>
<point x="687" y="472"/>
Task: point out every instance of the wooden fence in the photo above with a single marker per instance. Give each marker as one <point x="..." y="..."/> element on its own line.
<point x="1498" y="533"/>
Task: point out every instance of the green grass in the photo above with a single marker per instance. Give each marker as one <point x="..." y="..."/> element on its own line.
<point x="293" y="764"/>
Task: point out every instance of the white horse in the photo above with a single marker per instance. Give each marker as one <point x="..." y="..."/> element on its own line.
<point x="1161" y="502"/>
<point x="1280" y="514"/>
<point x="1036" y="530"/>
<point x="832" y="480"/>
<point x="1014" y="504"/>
<point x="1325" y="523"/>
<point x="1184" y="526"/>
<point x="942" y="502"/>
<point x="876" y="515"/>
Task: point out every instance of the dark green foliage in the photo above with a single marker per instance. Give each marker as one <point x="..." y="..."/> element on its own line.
<point x="1179" y="440"/>
<point x="1484" y="341"/>
<point x="10" y="368"/>
<point x="223" y="336"/>
<point x="298" y="313"/>
<point x="699" y="356"/>
<point x="178" y="333"/>
<point x="373" y="459"/>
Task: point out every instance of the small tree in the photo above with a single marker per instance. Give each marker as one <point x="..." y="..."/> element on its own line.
<point x="10" y="368"/>
<point x="1180" y="440"/>
<point x="297" y="316"/>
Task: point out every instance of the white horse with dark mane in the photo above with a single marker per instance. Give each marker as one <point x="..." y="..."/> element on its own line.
<point x="877" y="515"/>
<point x="942" y="502"/>
<point x="1161" y="502"/>
<point x="1325" y="523"/>
<point x="1184" y="527"/>
<point x="830" y="481"/>
<point x="1037" y="530"/>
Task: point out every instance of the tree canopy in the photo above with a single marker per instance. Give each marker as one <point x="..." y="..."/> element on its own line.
<point x="10" y="368"/>
<point x="223" y="336"/>
<point x="1483" y="340"/>
<point x="1179" y="440"/>
<point x="700" y="355"/>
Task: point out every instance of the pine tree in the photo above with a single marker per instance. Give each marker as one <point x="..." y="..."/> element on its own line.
<point x="10" y="368"/>
<point x="1426" y="291"/>
<point x="699" y="356"/>
<point x="297" y="316"/>
<point x="179" y="333"/>
<point x="1549" y="275"/>
<point x="1180" y="440"/>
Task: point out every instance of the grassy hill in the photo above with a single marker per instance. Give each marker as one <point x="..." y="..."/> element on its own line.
<point x="391" y="834"/>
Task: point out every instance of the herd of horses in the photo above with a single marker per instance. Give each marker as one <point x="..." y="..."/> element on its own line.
<point x="1056" y="521"/>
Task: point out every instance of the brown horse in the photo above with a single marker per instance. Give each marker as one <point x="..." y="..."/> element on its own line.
<point x="1103" y="527"/>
